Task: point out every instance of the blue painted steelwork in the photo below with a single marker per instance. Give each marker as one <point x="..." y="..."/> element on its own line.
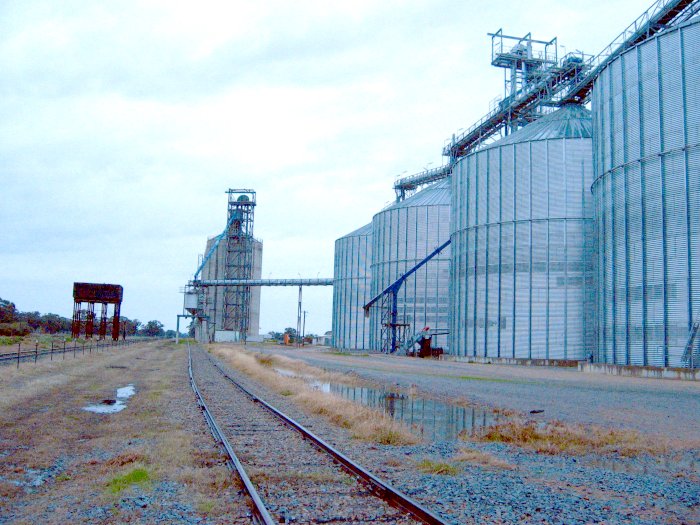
<point x="390" y="314"/>
<point x="213" y="248"/>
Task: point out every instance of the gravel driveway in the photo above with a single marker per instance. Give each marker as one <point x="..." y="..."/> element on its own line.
<point x="663" y="407"/>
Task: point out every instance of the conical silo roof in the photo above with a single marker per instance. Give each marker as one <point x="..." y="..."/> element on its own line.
<point x="364" y="230"/>
<point x="437" y="194"/>
<point x="570" y="122"/>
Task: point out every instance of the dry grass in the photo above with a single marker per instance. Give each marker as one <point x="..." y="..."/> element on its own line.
<point x="161" y="432"/>
<point x="321" y="477"/>
<point x="31" y="380"/>
<point x="483" y="459"/>
<point x="393" y="462"/>
<point x="557" y="438"/>
<point x="299" y="368"/>
<point x="125" y="459"/>
<point x="363" y="423"/>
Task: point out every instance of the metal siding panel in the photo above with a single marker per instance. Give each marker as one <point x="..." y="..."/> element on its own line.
<point x="522" y="290"/>
<point x="539" y="291"/>
<point x="469" y="299"/>
<point x="658" y="245"/>
<point x="556" y="330"/>
<point x="670" y="76"/>
<point x="522" y="182"/>
<point x="619" y="264"/>
<point x="507" y="183"/>
<point x="507" y="291"/>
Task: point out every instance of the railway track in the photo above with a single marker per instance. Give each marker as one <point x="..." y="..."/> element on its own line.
<point x="290" y="474"/>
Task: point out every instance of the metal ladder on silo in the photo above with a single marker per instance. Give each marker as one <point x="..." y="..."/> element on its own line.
<point x="692" y="358"/>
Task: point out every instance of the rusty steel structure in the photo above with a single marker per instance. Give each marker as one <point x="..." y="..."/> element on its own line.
<point x="84" y="318"/>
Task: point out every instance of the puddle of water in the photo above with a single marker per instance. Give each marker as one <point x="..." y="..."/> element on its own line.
<point x="434" y="420"/>
<point x="112" y="406"/>
<point x="285" y="373"/>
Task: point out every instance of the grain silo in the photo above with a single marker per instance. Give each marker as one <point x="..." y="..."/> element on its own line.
<point x="404" y="234"/>
<point x="215" y="268"/>
<point x="522" y="243"/>
<point x="351" y="289"/>
<point x="646" y="115"/>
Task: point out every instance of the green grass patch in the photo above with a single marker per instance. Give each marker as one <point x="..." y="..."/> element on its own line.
<point x="138" y="476"/>
<point x="206" y="506"/>
<point x="7" y="340"/>
<point x="491" y="379"/>
<point x="287" y="393"/>
<point x="440" y="468"/>
<point x="479" y="378"/>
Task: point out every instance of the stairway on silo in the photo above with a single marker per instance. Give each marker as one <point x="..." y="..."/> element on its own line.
<point x="691" y="355"/>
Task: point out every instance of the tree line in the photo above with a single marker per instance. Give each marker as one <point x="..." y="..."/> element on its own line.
<point x="16" y="323"/>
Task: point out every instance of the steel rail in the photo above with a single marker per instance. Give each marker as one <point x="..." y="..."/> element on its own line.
<point x="262" y="514"/>
<point x="377" y="486"/>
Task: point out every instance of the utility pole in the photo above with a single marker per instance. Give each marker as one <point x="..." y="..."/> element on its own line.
<point x="299" y="317"/>
<point x="303" y="329"/>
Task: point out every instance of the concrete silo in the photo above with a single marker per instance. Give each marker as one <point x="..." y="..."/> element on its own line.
<point x="522" y="243"/>
<point x="646" y="115"/>
<point x="404" y="234"/>
<point x="351" y="289"/>
<point x="215" y="268"/>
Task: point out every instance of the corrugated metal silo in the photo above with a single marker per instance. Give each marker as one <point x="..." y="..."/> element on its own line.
<point x="646" y="114"/>
<point x="522" y="243"/>
<point x="351" y="289"/>
<point x="404" y="234"/>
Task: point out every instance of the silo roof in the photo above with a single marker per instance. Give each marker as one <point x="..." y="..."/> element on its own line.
<point x="365" y="230"/>
<point x="434" y="195"/>
<point x="569" y="122"/>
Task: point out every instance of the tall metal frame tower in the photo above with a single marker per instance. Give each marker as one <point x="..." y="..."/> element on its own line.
<point x="239" y="259"/>
<point x="526" y="62"/>
<point x="537" y="79"/>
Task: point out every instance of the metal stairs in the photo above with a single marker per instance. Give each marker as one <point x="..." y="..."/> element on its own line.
<point x="408" y="345"/>
<point x="691" y="355"/>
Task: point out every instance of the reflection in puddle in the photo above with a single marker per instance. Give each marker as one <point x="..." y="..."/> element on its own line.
<point x="111" y="406"/>
<point x="436" y="421"/>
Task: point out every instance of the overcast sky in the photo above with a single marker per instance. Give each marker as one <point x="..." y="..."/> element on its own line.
<point x="123" y="123"/>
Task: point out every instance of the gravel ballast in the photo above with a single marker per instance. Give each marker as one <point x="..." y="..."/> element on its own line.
<point x="535" y="488"/>
<point x="297" y="482"/>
